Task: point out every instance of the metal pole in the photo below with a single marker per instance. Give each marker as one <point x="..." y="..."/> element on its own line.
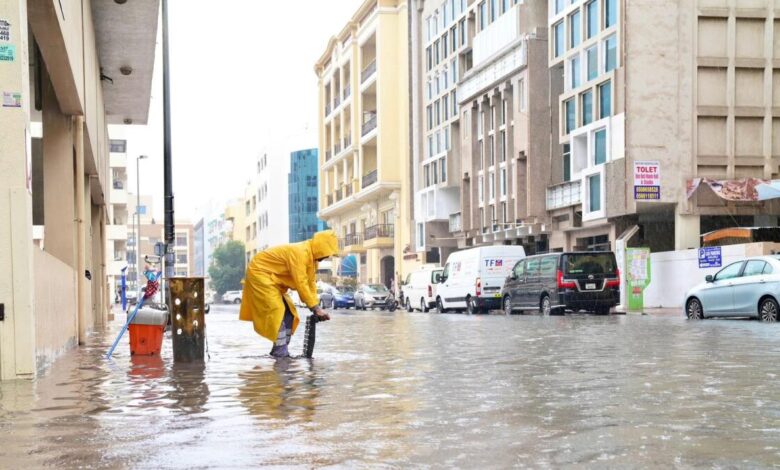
<point x="135" y="249"/>
<point x="138" y="213"/>
<point x="167" y="167"/>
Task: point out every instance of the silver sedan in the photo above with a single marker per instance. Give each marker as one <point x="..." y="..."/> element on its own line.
<point x="747" y="288"/>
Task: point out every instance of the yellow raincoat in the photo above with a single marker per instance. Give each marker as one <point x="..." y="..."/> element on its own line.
<point x="273" y="271"/>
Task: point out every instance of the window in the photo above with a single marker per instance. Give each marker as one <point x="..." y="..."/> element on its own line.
<point x="768" y="269"/>
<point x="502" y="146"/>
<point x="610" y="53"/>
<point x="504" y="6"/>
<point x="427" y="172"/>
<point x="575" y="71"/>
<point x="443" y="167"/>
<point x="558" y="45"/>
<point x="492" y="185"/>
<point x="429" y="56"/>
<point x="570" y="109"/>
<point x="492" y="118"/>
<point x="445" y="104"/>
<point x="454" y="97"/>
<point x="605" y="100"/>
<point x="462" y="27"/>
<point x="600" y="146"/>
<point x="504" y="214"/>
<point x="610" y="13"/>
<point x="181" y="259"/>
<point x="592" y="18"/>
<point x="593" y="62"/>
<point x="493" y="10"/>
<point x="480" y="153"/>
<point x="445" y="48"/>
<point x="481" y="123"/>
<point x="117" y="146"/>
<point x="435" y="172"/>
<point x="587" y="108"/>
<point x="520" y="270"/>
<point x="481" y="189"/>
<point x="482" y="218"/>
<point x="559" y="4"/>
<point x="754" y="268"/>
<point x="181" y="240"/>
<point x="566" y="162"/>
<point x="491" y="153"/>
<point x="503" y="112"/>
<point x="454" y="39"/>
<point x="482" y="16"/>
<point x="430" y="117"/>
<point x="493" y="219"/>
<point x="575" y="29"/>
<point x="521" y="92"/>
<point x="548" y="266"/>
<point x="454" y="71"/>
<point x="729" y="272"/>
<point x="503" y="181"/>
<point x="436" y="56"/>
<point x="594" y="193"/>
<point x="430" y="145"/>
<point x="438" y="113"/>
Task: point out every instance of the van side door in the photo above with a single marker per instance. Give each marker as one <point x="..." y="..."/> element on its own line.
<point x="532" y="290"/>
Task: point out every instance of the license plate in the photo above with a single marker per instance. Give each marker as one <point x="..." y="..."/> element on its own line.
<point x="497" y="295"/>
<point x="590" y="286"/>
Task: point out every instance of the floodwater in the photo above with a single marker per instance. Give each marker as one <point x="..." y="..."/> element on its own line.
<point x="415" y="390"/>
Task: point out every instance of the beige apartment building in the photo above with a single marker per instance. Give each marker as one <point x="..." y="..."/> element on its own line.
<point x="686" y="89"/>
<point x="57" y="101"/>
<point x="364" y="140"/>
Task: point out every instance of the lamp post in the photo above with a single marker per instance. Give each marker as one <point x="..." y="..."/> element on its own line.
<point x="138" y="214"/>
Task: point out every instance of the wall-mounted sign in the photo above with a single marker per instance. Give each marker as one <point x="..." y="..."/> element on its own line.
<point x="7" y="52"/>
<point x="5" y="30"/>
<point x="12" y="99"/>
<point x="710" y="257"/>
<point x="647" y="181"/>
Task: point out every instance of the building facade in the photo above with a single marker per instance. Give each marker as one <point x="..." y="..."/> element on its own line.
<point x="199" y="249"/>
<point x="364" y="156"/>
<point x="116" y="232"/>
<point x="712" y="117"/>
<point x="272" y="216"/>
<point x="303" y="195"/>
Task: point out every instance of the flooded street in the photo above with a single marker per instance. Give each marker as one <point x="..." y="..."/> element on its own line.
<point x="415" y="390"/>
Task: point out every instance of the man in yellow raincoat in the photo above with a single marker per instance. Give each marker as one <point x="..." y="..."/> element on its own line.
<point x="271" y="274"/>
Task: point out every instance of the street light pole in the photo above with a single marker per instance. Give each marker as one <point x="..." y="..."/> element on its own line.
<point x="138" y="213"/>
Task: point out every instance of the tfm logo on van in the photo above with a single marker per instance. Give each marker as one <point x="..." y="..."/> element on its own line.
<point x="494" y="263"/>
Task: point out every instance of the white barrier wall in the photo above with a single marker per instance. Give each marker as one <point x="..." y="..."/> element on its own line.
<point x="674" y="272"/>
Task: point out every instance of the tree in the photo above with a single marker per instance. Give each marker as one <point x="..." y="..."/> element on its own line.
<point x="227" y="267"/>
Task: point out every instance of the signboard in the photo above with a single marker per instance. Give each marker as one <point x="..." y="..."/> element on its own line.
<point x="7" y="52"/>
<point x="710" y="257"/>
<point x="12" y="99"/>
<point x="637" y="277"/>
<point x="5" y="30"/>
<point x="647" y="181"/>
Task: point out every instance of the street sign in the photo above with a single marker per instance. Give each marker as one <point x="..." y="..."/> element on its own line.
<point x="710" y="257"/>
<point x="647" y="181"/>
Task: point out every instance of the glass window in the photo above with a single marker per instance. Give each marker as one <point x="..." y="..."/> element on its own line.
<point x="454" y="71"/>
<point x="768" y="269"/>
<point x="559" y="4"/>
<point x="462" y="27"/>
<point x="587" y="108"/>
<point x="446" y="112"/>
<point x="435" y="172"/>
<point x="454" y="97"/>
<point x="610" y="53"/>
<point x="754" y="268"/>
<point x="576" y="73"/>
<point x="438" y="112"/>
<point x="427" y="172"/>
<point x="503" y="181"/>
<point x="443" y="167"/>
<point x="566" y="162"/>
<point x="594" y="193"/>
<point x="493" y="10"/>
<point x="481" y="123"/>
<point x="600" y="146"/>
<point x="521" y="92"/>
<point x="502" y="146"/>
<point x="610" y="13"/>
<point x="592" y="18"/>
<point x="480" y="189"/>
<point x="492" y="117"/>
<point x="729" y="272"/>
<point x="445" y="46"/>
<point x="503" y="112"/>
<point x="519" y="270"/>
<point x="482" y="15"/>
<point x="549" y="266"/>
<point x="605" y="99"/>
<point x="492" y="184"/>
<point x="454" y="38"/>
<point x="532" y="267"/>
<point x="593" y="62"/>
<point x="575" y="29"/>
<point x="491" y="153"/>
<point x="504" y="6"/>
<point x="570" y="115"/>
<point x="558" y="46"/>
<point x="481" y="153"/>
<point x="430" y="117"/>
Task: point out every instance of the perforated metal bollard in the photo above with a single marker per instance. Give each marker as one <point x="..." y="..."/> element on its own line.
<point x="186" y="304"/>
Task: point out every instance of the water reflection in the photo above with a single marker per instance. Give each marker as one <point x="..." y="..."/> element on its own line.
<point x="286" y="389"/>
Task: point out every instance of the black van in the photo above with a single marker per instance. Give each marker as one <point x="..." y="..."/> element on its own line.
<point x="556" y="282"/>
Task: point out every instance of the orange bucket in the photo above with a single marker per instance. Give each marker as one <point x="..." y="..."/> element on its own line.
<point x="146" y="340"/>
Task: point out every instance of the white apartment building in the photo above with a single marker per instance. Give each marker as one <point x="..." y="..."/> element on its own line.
<point x="116" y="229"/>
<point x="272" y="218"/>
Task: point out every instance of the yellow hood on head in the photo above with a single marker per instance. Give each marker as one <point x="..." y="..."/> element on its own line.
<point x="324" y="244"/>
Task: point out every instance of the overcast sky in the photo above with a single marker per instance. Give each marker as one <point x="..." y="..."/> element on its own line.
<point x="242" y="80"/>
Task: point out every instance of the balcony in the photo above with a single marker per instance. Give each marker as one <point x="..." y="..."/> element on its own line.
<point x="369" y="123"/>
<point x="347" y="141"/>
<point x="337" y="149"/>
<point x="116" y="232"/>
<point x="338" y="194"/>
<point x="351" y="243"/>
<point x="368" y="71"/>
<point x="327" y="109"/>
<point x="330" y="199"/>
<point x="455" y="223"/>
<point x="336" y="102"/>
<point x="379" y="236"/>
<point x="118" y="184"/>
<point x="348" y="190"/>
<point x="564" y="195"/>
<point x="369" y="179"/>
<point x="328" y="155"/>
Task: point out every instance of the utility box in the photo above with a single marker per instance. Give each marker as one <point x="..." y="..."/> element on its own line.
<point x="146" y="331"/>
<point x="188" y="325"/>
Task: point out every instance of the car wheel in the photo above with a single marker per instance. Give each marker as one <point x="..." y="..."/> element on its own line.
<point x="602" y="311"/>
<point x="545" y="306"/>
<point x="333" y="304"/>
<point x="508" y="305"/>
<point x="694" y="310"/>
<point x="237" y="301"/>
<point x="471" y="306"/>
<point x="423" y="305"/>
<point x="768" y="311"/>
<point x="440" y="306"/>
<point x="409" y="305"/>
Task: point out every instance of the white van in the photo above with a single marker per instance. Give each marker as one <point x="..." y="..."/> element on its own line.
<point x="420" y="288"/>
<point x="473" y="278"/>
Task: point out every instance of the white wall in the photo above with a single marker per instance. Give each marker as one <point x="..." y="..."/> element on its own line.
<point x="674" y="272"/>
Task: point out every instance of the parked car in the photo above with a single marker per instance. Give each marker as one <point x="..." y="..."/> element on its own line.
<point x="747" y="288"/>
<point x="337" y="297"/>
<point x="372" y="296"/>
<point x="232" y="297"/>
<point x="556" y="282"/>
<point x="472" y="279"/>
<point x="419" y="290"/>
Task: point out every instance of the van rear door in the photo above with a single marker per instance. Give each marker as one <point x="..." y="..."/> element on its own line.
<point x="589" y="270"/>
<point x="494" y="270"/>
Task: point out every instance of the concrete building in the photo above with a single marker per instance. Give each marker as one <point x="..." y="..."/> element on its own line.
<point x="364" y="136"/>
<point x="235" y="218"/>
<point x="198" y="249"/>
<point x="270" y="191"/>
<point x="142" y="214"/>
<point x="251" y="219"/>
<point x="710" y="114"/>
<point x="55" y="164"/>
<point x="153" y="233"/>
<point x="116" y="231"/>
<point x="303" y="195"/>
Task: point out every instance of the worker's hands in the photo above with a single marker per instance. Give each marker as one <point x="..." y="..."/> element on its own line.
<point x="322" y="314"/>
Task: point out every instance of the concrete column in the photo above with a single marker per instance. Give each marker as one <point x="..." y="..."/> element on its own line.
<point x="687" y="229"/>
<point x="17" y="330"/>
<point x="81" y="231"/>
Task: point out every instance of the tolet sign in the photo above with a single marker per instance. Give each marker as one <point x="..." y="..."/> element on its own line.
<point x="647" y="180"/>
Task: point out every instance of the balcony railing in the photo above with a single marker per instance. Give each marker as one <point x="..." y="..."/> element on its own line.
<point x="455" y="223"/>
<point x="352" y="239"/>
<point x="327" y="109"/>
<point x="348" y="190"/>
<point x="328" y="154"/>
<point x="337" y="102"/>
<point x="119" y="185"/>
<point x="347" y="141"/>
<point x="369" y="123"/>
<point x="337" y="149"/>
<point x="330" y="199"/>
<point x="564" y="195"/>
<point x="368" y="71"/>
<point x="338" y="194"/>
<point x="346" y="92"/>
<point x="379" y="231"/>
<point x="369" y="178"/>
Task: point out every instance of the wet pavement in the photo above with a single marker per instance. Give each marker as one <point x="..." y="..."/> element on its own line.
<point x="415" y="390"/>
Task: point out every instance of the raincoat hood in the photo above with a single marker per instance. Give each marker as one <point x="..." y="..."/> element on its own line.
<point x="324" y="244"/>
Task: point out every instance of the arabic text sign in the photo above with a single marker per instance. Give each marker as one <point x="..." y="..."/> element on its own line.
<point x="7" y="52"/>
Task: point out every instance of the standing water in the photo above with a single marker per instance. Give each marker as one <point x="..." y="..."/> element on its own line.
<point x="415" y="390"/>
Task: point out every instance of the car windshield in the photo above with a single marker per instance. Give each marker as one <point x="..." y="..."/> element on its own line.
<point x="376" y="289"/>
<point x="436" y="276"/>
<point x="589" y="263"/>
<point x="346" y="290"/>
